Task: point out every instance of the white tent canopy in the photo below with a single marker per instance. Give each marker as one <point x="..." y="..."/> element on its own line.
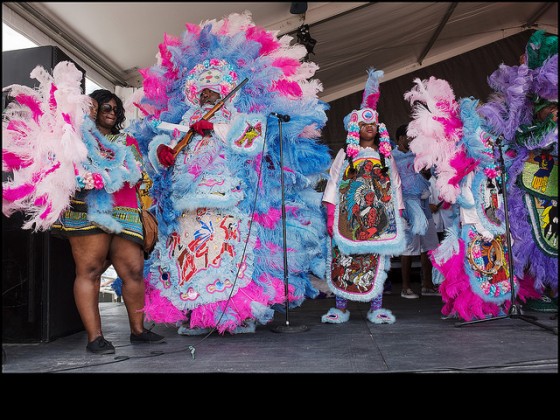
<point x="112" y="40"/>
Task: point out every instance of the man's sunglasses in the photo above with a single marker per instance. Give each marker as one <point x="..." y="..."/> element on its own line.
<point x="108" y="108"/>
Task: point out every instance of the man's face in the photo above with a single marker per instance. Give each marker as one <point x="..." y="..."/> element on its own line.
<point x="208" y="96"/>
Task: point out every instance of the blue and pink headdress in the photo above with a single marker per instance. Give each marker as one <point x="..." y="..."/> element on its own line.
<point x="213" y="74"/>
<point x="367" y="114"/>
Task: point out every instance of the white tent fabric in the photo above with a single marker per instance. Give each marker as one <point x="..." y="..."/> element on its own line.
<point x="115" y="39"/>
<point x="467" y="75"/>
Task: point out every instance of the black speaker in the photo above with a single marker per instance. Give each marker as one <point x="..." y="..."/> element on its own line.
<point x="298" y="8"/>
<point x="17" y="64"/>
<point x="38" y="270"/>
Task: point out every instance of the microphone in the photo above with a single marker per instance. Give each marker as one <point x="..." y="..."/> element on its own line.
<point x="282" y="117"/>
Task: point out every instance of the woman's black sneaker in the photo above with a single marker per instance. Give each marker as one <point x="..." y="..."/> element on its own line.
<point x="146" y="336"/>
<point x="100" y="346"/>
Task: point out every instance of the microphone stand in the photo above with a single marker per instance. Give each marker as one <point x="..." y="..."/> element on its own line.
<point x="514" y="310"/>
<point x="286" y="327"/>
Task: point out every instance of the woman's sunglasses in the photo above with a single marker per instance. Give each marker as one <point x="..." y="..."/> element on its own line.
<point x="108" y="108"/>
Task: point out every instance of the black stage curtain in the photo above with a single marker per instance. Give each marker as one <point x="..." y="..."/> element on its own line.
<point x="467" y="74"/>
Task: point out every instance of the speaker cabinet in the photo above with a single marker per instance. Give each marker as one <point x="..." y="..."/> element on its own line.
<point x="17" y="64"/>
<point x="37" y="268"/>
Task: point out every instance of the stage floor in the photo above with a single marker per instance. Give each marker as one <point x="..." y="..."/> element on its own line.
<point x="419" y="342"/>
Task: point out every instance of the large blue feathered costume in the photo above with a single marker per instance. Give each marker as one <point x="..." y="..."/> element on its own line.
<point x="219" y="260"/>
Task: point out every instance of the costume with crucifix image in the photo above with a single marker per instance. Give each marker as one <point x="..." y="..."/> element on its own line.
<point x="363" y="199"/>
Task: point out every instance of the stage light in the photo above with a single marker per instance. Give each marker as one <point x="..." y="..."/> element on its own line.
<point x="297" y="8"/>
<point x="304" y="38"/>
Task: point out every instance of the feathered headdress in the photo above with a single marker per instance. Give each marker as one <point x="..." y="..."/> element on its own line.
<point x="213" y="74"/>
<point x="367" y="114"/>
<point x="230" y="49"/>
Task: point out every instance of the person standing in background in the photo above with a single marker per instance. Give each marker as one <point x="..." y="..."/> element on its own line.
<point x="442" y="212"/>
<point x="420" y="229"/>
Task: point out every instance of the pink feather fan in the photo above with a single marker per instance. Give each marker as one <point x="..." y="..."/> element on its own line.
<point x="42" y="145"/>
<point x="436" y="129"/>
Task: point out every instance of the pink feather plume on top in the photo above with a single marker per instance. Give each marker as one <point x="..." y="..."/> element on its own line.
<point x="52" y="99"/>
<point x="268" y="42"/>
<point x="193" y="28"/>
<point x="371" y="100"/>
<point x="288" y="65"/>
<point x="371" y="89"/>
<point x="288" y="88"/>
<point x="33" y="104"/>
<point x="168" y="40"/>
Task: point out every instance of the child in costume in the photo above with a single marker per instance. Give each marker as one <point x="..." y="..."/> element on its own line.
<point x="218" y="262"/>
<point x="363" y="200"/>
